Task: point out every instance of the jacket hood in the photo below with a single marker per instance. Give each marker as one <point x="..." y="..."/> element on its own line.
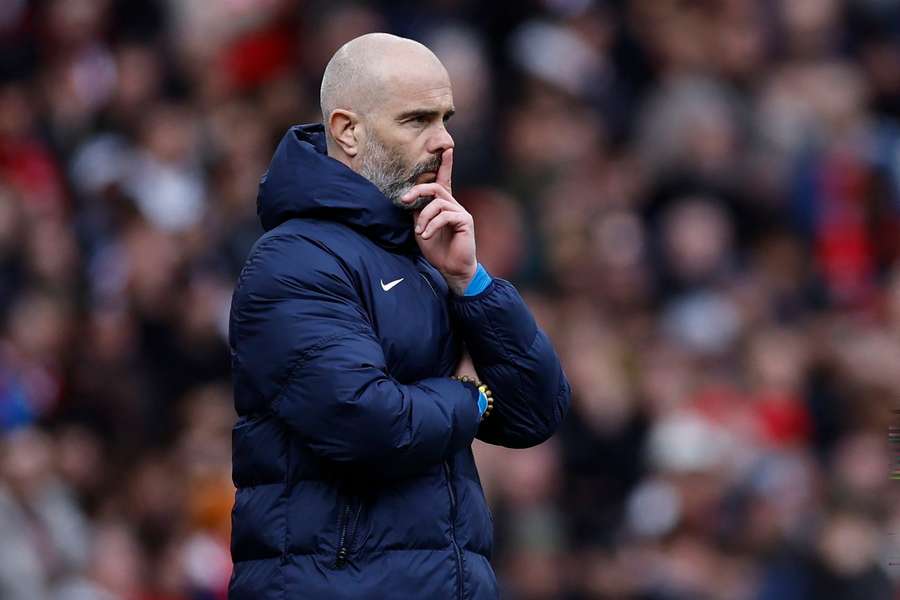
<point x="303" y="181"/>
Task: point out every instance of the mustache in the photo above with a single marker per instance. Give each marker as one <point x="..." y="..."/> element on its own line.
<point x="429" y="166"/>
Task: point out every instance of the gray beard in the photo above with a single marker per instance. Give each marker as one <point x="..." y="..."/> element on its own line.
<point x="385" y="169"/>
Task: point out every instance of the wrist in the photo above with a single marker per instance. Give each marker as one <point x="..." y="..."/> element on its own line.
<point x="485" y="397"/>
<point x="458" y="285"/>
<point x="472" y="285"/>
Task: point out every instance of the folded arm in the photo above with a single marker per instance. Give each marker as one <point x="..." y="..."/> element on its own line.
<point x="334" y="390"/>
<point x="517" y="361"/>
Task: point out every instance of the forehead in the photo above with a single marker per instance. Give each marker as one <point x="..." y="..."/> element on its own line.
<point x="417" y="84"/>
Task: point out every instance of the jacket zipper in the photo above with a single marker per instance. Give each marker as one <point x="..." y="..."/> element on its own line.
<point x="459" y="568"/>
<point x="342" y="527"/>
<point x="348" y="533"/>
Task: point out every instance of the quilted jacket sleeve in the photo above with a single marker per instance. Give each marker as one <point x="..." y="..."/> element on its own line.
<point x="517" y="361"/>
<point x="303" y="344"/>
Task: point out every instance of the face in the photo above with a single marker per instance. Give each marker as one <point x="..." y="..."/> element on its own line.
<point x="406" y="134"/>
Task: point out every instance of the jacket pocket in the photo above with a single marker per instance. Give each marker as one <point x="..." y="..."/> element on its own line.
<point x="349" y="512"/>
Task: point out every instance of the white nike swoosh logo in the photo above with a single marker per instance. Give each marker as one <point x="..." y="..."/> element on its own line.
<point x="387" y="286"/>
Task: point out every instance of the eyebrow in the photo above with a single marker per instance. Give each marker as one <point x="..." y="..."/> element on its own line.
<point x="413" y="114"/>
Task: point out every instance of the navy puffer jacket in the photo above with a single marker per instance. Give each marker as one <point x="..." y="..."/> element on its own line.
<point x="352" y="460"/>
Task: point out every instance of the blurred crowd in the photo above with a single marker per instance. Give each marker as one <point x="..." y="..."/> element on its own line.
<point x="699" y="198"/>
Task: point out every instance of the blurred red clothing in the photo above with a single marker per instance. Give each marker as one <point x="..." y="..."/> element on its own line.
<point x="32" y="171"/>
<point x="259" y="57"/>
<point x="783" y="418"/>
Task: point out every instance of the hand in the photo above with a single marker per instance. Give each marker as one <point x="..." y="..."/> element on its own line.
<point x="466" y="367"/>
<point x="444" y="230"/>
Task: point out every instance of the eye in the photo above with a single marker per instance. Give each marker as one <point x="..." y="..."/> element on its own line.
<point x="417" y="121"/>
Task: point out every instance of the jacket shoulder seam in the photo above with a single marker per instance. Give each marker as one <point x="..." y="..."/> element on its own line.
<point x="253" y="259"/>
<point x="342" y="264"/>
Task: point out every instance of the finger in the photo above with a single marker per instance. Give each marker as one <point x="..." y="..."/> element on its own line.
<point x="445" y="172"/>
<point x="431" y="211"/>
<point x="444" y="219"/>
<point x="425" y="189"/>
<point x="435" y="224"/>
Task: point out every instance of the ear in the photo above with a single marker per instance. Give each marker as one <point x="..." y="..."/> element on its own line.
<point x="345" y="129"/>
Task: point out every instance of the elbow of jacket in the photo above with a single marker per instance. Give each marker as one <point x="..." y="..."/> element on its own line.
<point x="560" y="406"/>
<point x="563" y="401"/>
<point x="544" y="429"/>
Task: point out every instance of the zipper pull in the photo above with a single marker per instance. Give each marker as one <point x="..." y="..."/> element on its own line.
<point x="341" y="557"/>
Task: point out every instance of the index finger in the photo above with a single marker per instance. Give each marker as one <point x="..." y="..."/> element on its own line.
<point x="446" y="169"/>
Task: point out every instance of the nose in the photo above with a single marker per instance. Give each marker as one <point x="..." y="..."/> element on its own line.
<point x="440" y="141"/>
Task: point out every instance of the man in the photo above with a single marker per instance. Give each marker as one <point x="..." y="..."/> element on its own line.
<point x="352" y="454"/>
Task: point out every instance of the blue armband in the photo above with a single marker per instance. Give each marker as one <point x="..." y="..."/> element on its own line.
<point x="479" y="283"/>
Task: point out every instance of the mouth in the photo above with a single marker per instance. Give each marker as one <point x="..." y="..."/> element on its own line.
<point x="427" y="177"/>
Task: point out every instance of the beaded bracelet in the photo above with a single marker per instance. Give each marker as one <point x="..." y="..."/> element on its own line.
<point x="482" y="388"/>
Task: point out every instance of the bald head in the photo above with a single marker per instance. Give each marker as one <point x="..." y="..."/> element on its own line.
<point x="362" y="73"/>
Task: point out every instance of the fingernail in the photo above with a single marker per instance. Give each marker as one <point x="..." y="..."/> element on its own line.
<point x="418" y="229"/>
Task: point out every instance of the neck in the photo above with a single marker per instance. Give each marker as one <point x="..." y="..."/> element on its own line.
<point x="336" y="153"/>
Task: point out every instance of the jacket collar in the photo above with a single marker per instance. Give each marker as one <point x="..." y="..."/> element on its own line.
<point x="303" y="181"/>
